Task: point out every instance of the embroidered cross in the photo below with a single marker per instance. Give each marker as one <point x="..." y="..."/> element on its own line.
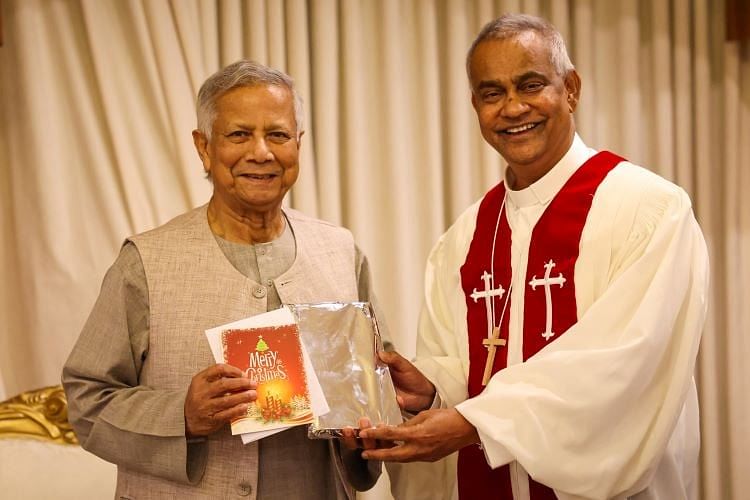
<point x="493" y="340"/>
<point x="487" y="294"/>
<point x="547" y="281"/>
<point x="491" y="344"/>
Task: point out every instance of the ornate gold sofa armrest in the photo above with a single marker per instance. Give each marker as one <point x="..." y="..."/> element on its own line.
<point x="39" y="414"/>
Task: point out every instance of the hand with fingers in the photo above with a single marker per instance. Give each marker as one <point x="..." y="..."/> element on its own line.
<point x="216" y="396"/>
<point x="414" y="391"/>
<point x="352" y="440"/>
<point x="430" y="436"/>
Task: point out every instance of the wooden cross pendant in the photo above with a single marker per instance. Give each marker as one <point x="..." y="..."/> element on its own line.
<point x="492" y="344"/>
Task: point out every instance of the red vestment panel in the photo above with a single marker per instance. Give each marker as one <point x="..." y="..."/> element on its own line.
<point x="549" y="298"/>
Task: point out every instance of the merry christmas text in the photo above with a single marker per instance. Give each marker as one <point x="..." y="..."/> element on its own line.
<point x="264" y="366"/>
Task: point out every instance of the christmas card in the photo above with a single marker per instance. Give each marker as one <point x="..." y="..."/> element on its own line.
<point x="267" y="348"/>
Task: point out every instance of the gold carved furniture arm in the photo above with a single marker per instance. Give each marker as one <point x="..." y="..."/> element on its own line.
<point x="39" y="414"/>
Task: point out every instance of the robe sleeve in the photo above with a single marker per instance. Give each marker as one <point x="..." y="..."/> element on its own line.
<point x="107" y="404"/>
<point x="592" y="413"/>
<point x="441" y="351"/>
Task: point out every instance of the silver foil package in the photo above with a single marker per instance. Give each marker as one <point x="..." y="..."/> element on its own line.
<point x="343" y="340"/>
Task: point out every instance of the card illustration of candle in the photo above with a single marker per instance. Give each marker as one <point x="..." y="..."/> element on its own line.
<point x="271" y="355"/>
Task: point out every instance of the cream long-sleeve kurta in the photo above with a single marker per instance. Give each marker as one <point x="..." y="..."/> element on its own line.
<point x="609" y="409"/>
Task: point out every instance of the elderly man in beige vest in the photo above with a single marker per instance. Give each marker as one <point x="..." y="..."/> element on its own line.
<point x="143" y="390"/>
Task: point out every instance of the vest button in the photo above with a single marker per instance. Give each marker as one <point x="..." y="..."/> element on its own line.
<point x="244" y="489"/>
<point x="259" y="292"/>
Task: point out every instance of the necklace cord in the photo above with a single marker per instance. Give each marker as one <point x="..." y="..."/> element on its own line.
<point x="492" y="270"/>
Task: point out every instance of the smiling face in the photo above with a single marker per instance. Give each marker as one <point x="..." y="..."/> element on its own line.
<point x="524" y="107"/>
<point x="253" y="154"/>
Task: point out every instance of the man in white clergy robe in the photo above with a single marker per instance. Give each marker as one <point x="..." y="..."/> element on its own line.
<point x="563" y="311"/>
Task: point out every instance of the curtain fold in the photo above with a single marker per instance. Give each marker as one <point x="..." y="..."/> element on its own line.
<point x="97" y="104"/>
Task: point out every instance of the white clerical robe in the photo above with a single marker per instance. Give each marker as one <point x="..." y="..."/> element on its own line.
<point x="609" y="409"/>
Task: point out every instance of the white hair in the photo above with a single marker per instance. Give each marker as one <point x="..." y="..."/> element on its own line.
<point x="513" y="25"/>
<point x="243" y="73"/>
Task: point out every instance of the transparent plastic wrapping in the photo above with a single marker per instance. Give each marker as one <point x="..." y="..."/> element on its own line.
<point x="342" y="340"/>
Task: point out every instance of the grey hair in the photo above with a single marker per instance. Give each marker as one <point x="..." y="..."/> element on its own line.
<point x="513" y="25"/>
<point x="243" y="73"/>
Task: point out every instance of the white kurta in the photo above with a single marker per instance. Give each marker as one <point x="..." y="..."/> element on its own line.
<point x="609" y="409"/>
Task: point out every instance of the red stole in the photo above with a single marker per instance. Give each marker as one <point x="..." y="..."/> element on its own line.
<point x="555" y="243"/>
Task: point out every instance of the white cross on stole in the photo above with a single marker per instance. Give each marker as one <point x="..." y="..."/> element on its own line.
<point x="493" y="339"/>
<point x="547" y="281"/>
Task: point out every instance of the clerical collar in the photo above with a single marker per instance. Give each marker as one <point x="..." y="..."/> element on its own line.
<point x="543" y="190"/>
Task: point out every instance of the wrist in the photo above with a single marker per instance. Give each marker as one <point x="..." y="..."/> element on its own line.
<point x="469" y="433"/>
<point x="429" y="400"/>
<point x="190" y="431"/>
<point x="424" y="402"/>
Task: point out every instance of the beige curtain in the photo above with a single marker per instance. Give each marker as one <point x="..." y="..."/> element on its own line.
<point x="97" y="108"/>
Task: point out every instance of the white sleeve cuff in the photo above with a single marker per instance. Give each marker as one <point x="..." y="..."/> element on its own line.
<point x="495" y="453"/>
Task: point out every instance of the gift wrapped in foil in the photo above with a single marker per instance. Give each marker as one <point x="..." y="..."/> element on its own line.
<point x="343" y="340"/>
